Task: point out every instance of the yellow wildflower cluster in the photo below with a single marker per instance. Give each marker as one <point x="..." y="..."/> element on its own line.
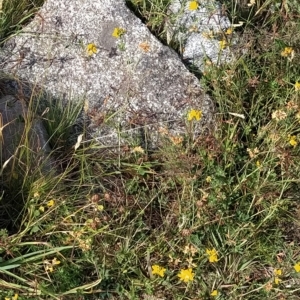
<point x="138" y="149"/>
<point x="297" y="86"/>
<point x="15" y="297"/>
<point x="49" y="265"/>
<point x="229" y="31"/>
<point x="91" y="49"/>
<point x="277" y="273"/>
<point x="212" y="255"/>
<point x="208" y="179"/>
<point x="118" y="32"/>
<point x="193" y="5"/>
<point x="223" y="44"/>
<point x="51" y="203"/>
<point x="293" y="140"/>
<point x="214" y="293"/>
<point x="194" y="114"/>
<point x="288" y="52"/>
<point x="297" y="267"/>
<point x="158" y="270"/>
<point x="186" y="275"/>
<point x="80" y="238"/>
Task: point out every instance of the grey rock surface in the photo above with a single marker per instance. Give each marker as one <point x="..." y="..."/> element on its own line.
<point x="129" y="81"/>
<point x="200" y="32"/>
<point x="16" y="135"/>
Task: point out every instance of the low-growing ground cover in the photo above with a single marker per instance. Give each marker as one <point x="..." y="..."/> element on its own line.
<point x="212" y="217"/>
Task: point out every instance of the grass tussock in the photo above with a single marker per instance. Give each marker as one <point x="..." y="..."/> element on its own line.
<point x="211" y="218"/>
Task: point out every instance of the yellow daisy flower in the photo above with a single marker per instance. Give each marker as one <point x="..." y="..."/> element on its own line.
<point x="193" y="5"/>
<point x="158" y="270"/>
<point x="91" y="49"/>
<point x="50" y="203"/>
<point x="223" y="44"/>
<point x="212" y="255"/>
<point x="186" y="275"/>
<point x="293" y="140"/>
<point x="118" y="32"/>
<point x="277" y="280"/>
<point x="194" y="114"/>
<point x="288" y="51"/>
<point x="297" y="267"/>
<point x="229" y="31"/>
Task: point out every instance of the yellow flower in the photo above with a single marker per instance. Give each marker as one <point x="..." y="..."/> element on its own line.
<point x="288" y="51"/>
<point x="277" y="272"/>
<point x="214" y="293"/>
<point x="118" y="32"/>
<point x="222" y="44"/>
<point x="293" y="140"/>
<point x="297" y="86"/>
<point x="50" y="203"/>
<point x="212" y="255"/>
<point x="194" y="114"/>
<point x="100" y="207"/>
<point x="193" y="5"/>
<point x="158" y="270"/>
<point x="186" y="275"/>
<point x="208" y="179"/>
<point x="49" y="268"/>
<point x="49" y="265"/>
<point x="15" y="297"/>
<point x="138" y="149"/>
<point x="229" y="31"/>
<point x="55" y="261"/>
<point x="258" y="164"/>
<point x="277" y="280"/>
<point x="297" y="267"/>
<point x="41" y="209"/>
<point x="91" y="49"/>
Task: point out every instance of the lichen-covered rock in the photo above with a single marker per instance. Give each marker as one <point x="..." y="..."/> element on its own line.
<point x="100" y="52"/>
<point x="202" y="30"/>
